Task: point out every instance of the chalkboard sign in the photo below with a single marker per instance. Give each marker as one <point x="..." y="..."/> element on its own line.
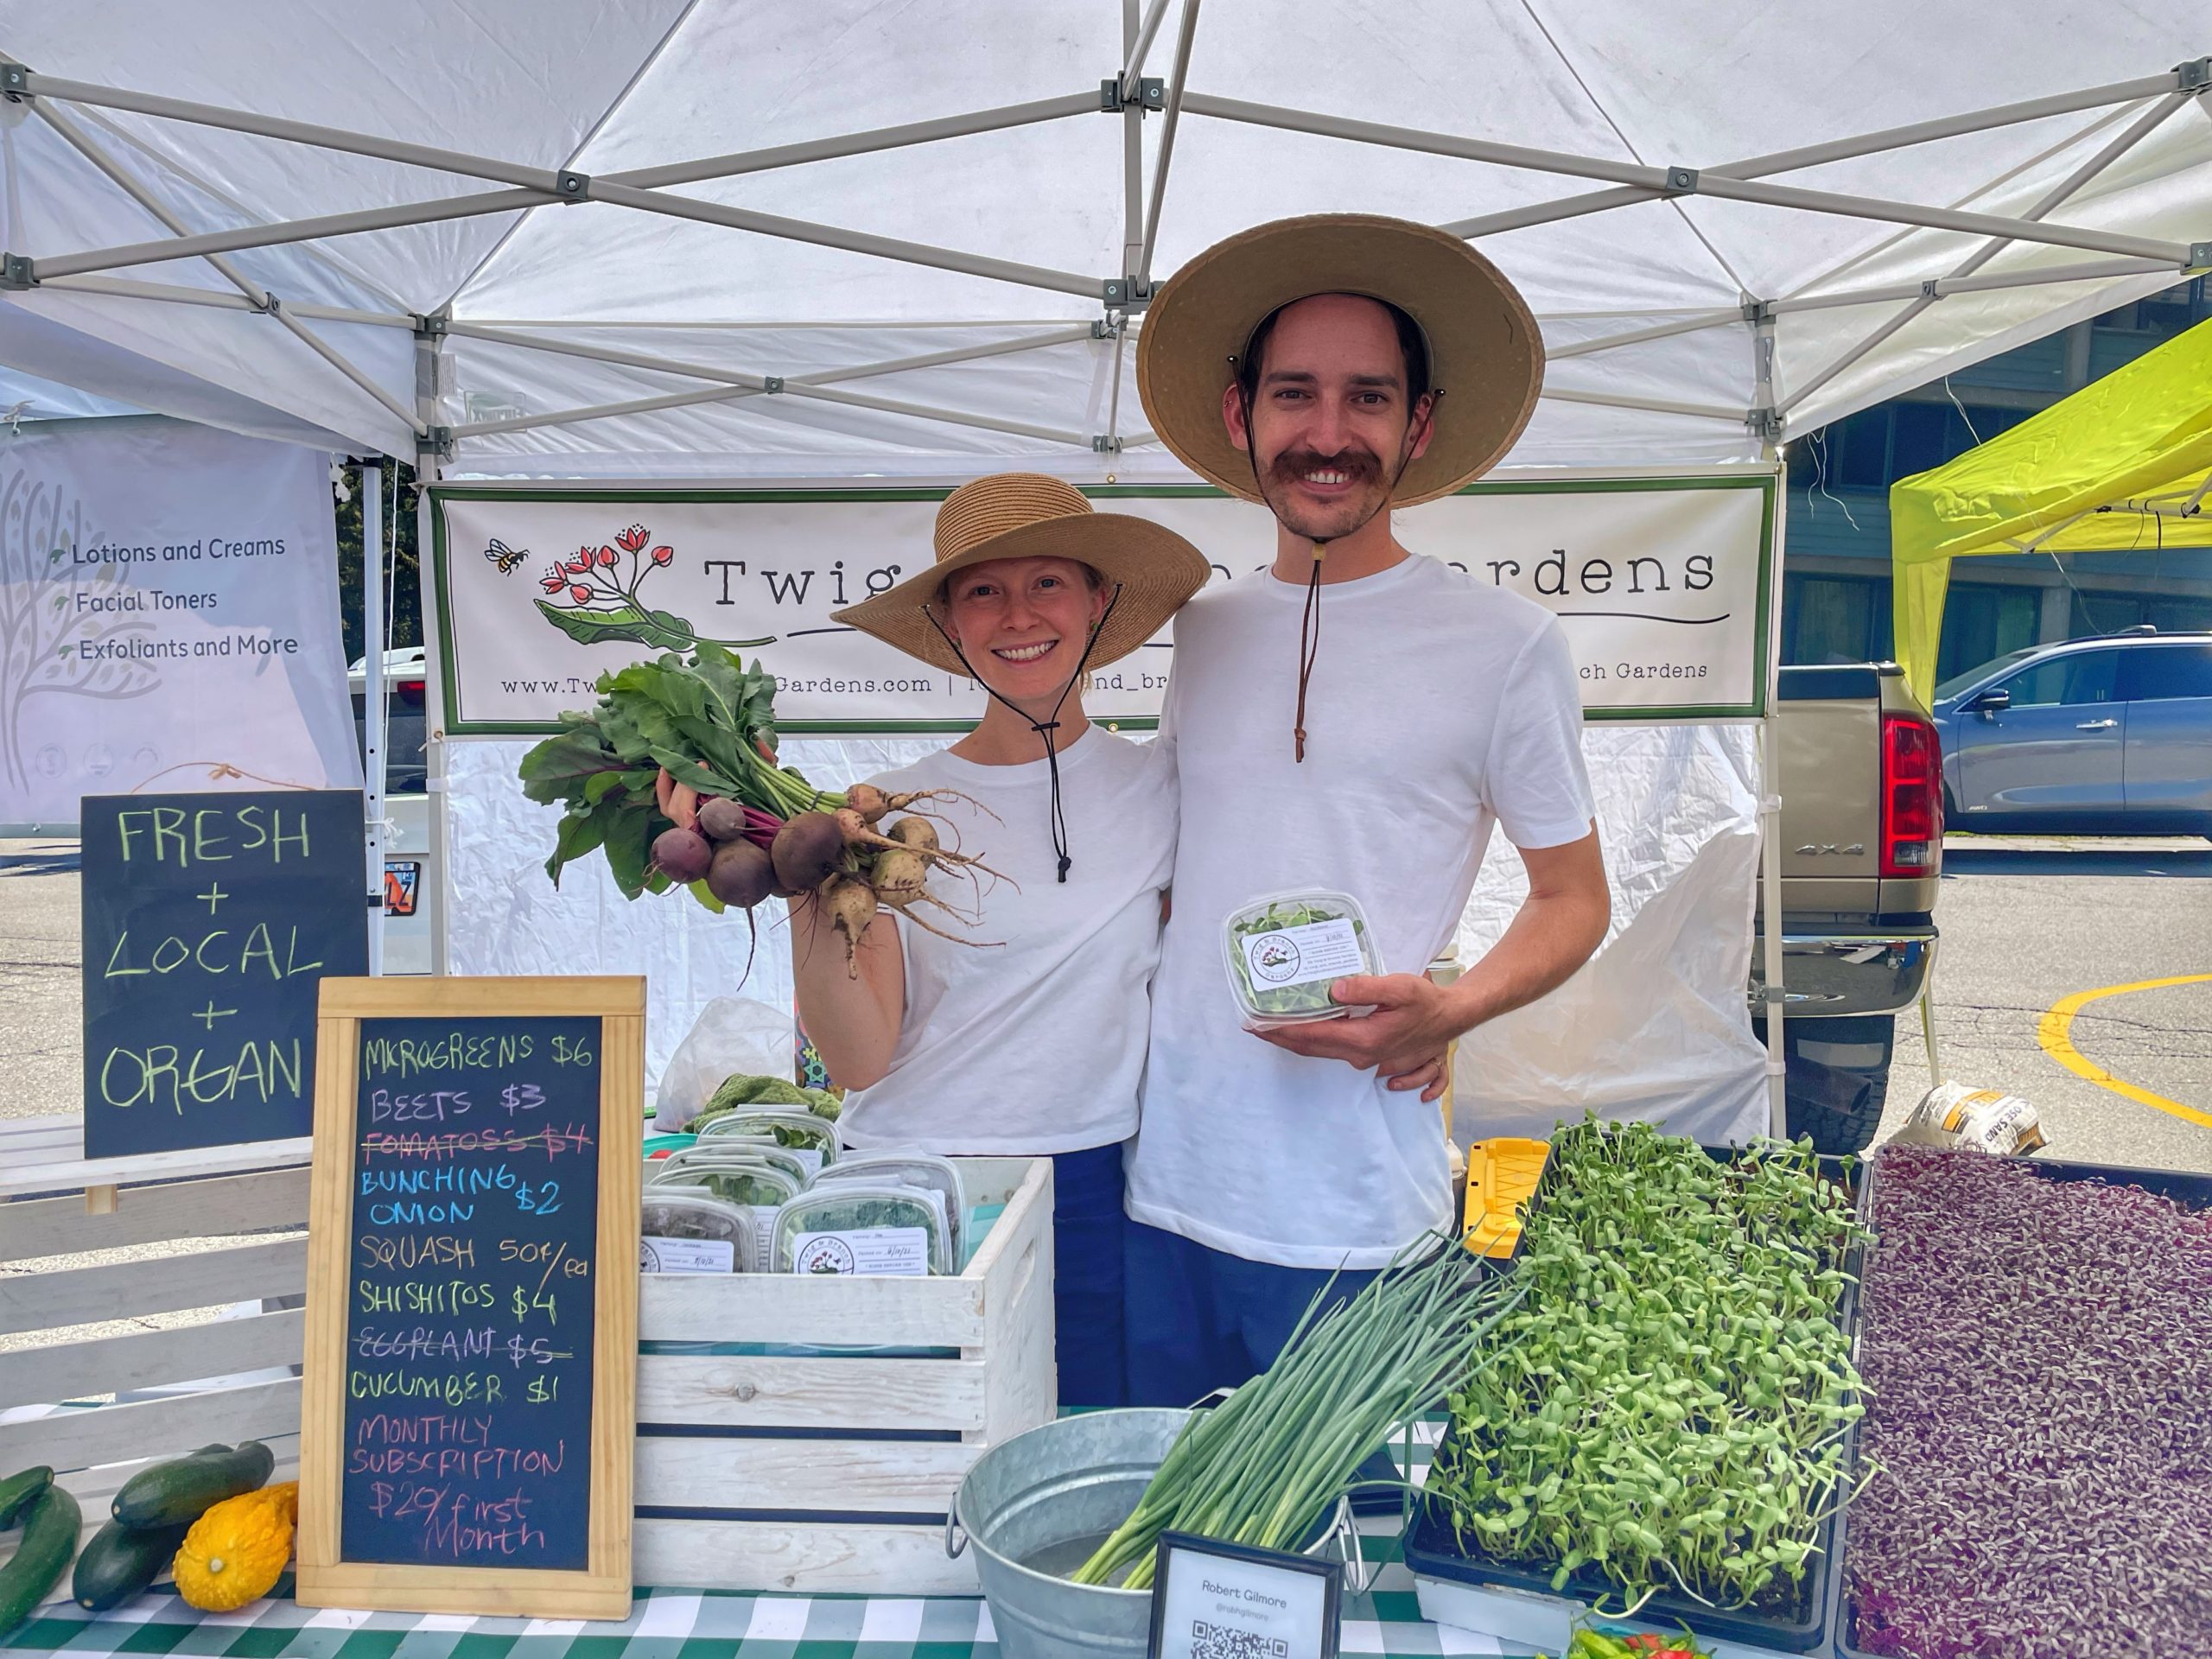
<point x="208" y="922"/>
<point x="468" y="1414"/>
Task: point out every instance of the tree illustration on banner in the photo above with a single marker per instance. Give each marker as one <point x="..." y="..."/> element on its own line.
<point x="593" y="596"/>
<point x="55" y="621"/>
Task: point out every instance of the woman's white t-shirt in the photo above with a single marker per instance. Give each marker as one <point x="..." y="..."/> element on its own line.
<point x="1034" y="1043"/>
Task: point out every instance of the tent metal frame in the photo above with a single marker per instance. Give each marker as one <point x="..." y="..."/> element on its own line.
<point x="1122" y="294"/>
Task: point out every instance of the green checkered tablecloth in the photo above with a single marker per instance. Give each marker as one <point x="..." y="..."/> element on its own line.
<point x="674" y="1625"/>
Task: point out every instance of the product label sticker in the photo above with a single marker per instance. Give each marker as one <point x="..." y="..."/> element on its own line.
<point x="686" y="1254"/>
<point x="1299" y="955"/>
<point x="891" y="1252"/>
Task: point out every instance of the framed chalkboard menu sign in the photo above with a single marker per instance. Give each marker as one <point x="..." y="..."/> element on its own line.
<point x="469" y="1409"/>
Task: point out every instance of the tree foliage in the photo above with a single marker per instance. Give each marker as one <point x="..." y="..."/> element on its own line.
<point x="403" y="614"/>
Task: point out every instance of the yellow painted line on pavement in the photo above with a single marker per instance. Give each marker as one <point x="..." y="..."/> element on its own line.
<point x="2054" y="1033"/>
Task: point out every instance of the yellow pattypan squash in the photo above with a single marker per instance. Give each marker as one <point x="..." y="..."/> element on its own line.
<point x="237" y="1551"/>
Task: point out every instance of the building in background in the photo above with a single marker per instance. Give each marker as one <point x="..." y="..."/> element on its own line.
<point x="1836" y="595"/>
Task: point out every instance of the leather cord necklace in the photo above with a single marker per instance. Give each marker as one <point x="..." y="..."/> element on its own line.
<point x="1044" y="729"/>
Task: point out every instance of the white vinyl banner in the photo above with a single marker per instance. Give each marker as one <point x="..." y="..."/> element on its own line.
<point x="169" y="616"/>
<point x="1662" y="584"/>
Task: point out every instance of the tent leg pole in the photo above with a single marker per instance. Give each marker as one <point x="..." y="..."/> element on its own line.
<point x="1777" y="1094"/>
<point x="1770" y="898"/>
<point x="1928" y="1029"/>
<point x="427" y="469"/>
<point x="372" y="704"/>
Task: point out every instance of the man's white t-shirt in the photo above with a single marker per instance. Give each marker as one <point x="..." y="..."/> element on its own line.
<point x="1439" y="705"/>
<point x="1033" y="1043"/>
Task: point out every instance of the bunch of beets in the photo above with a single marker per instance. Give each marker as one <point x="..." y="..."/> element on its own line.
<point x="672" y="774"/>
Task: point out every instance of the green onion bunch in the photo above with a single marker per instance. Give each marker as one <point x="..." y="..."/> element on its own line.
<point x="1668" y="1404"/>
<point x="1263" y="1467"/>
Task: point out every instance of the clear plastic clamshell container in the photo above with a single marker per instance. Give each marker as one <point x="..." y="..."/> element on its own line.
<point x="744" y="1146"/>
<point x="812" y="1140"/>
<point x="684" y="1229"/>
<point x="746" y="1181"/>
<point x="1283" y="952"/>
<point x="866" y="1227"/>
<point x="922" y="1169"/>
<point x="756" y="1187"/>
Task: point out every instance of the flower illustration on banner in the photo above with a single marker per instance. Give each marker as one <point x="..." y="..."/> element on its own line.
<point x="593" y="596"/>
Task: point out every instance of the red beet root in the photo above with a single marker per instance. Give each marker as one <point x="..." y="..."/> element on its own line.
<point x="741" y="875"/>
<point x="722" y="819"/>
<point x="681" y="854"/>
<point x="808" y="851"/>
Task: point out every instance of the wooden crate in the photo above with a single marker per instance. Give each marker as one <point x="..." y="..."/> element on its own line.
<point x="808" y="1473"/>
<point x="785" y="1503"/>
<point x="54" y="1203"/>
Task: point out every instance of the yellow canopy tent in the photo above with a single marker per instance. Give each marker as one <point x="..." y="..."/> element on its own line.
<point x="2122" y="464"/>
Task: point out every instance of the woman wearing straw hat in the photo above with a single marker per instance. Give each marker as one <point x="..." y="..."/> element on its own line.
<point x="1334" y="369"/>
<point x="1025" y="1035"/>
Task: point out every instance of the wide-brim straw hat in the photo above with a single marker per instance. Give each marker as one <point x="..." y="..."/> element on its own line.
<point x="1485" y="356"/>
<point x="1028" y="516"/>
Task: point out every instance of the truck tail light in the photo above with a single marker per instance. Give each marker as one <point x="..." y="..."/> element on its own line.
<point x="1912" y="798"/>
<point x="409" y="693"/>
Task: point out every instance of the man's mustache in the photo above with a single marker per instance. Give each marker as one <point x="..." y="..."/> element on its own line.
<point x="1356" y="464"/>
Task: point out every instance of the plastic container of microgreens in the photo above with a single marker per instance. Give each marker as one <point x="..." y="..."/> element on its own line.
<point x="870" y="1228"/>
<point x="1284" y="951"/>
<point x="812" y="1140"/>
<point x="757" y="1185"/>
<point x="742" y="1148"/>
<point x="921" y="1169"/>
<point x="686" y="1229"/>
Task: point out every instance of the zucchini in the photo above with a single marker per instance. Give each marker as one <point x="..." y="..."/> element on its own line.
<point x="180" y="1492"/>
<point x="122" y="1561"/>
<point x="49" y="1539"/>
<point x="17" y="1491"/>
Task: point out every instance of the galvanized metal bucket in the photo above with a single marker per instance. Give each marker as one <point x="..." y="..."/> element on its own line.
<point x="1048" y="1496"/>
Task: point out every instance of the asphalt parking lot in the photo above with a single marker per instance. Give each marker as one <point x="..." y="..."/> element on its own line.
<point x="2027" y="923"/>
<point x="2030" y="926"/>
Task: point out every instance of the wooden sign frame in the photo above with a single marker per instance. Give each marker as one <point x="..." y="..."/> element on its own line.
<point x="326" y="1579"/>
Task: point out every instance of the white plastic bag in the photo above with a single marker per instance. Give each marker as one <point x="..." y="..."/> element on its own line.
<point x="732" y="1034"/>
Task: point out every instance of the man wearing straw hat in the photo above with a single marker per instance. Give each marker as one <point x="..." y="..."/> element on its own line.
<point x="1355" y="718"/>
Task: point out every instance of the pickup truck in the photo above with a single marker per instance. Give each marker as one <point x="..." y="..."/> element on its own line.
<point x="1862" y="839"/>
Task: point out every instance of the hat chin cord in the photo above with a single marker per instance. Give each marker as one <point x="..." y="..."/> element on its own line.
<point x="1044" y="729"/>
<point x="1309" y="620"/>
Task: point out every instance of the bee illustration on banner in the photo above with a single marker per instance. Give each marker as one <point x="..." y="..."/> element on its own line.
<point x="507" y="558"/>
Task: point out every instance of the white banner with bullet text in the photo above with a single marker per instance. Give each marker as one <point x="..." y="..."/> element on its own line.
<point x="169" y="616"/>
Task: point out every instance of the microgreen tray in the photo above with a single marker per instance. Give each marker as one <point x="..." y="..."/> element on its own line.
<point x="1433" y="1549"/>
<point x="2193" y="1192"/>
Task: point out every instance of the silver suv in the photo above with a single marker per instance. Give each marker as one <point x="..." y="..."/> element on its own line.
<point x="2107" y="736"/>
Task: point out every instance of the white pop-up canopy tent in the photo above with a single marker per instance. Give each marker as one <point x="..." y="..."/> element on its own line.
<point x="686" y="236"/>
<point x="689" y="239"/>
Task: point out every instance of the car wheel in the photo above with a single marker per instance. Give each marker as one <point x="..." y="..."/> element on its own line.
<point x="1837" y="1079"/>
